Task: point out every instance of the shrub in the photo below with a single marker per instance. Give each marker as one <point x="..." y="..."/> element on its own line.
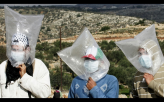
<point x="105" y="28"/>
<point x="121" y="87"/>
<point x="48" y="29"/>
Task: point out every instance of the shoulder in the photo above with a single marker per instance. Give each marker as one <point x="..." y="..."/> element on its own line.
<point x="38" y="60"/>
<point x="110" y="77"/>
<point x="77" y="79"/>
<point x="3" y="68"/>
<point x="39" y="65"/>
<point x="3" y="63"/>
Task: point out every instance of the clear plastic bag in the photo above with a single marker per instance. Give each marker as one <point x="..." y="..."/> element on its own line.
<point x="146" y="39"/>
<point x="72" y="56"/>
<point x="29" y="25"/>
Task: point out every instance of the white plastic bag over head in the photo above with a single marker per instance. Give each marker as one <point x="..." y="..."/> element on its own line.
<point x="148" y="41"/>
<point x="85" y="52"/>
<point x="21" y="36"/>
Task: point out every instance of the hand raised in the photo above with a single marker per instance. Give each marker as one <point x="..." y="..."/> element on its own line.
<point x="148" y="77"/>
<point x="91" y="83"/>
<point x="22" y="69"/>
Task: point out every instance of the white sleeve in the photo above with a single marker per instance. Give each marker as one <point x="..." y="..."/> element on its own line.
<point x="40" y="85"/>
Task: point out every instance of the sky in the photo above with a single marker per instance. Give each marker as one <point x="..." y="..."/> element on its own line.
<point x="34" y="4"/>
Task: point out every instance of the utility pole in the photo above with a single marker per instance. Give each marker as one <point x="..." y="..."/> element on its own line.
<point x="60" y="59"/>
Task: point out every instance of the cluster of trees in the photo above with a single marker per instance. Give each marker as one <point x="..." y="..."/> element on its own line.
<point x="141" y="22"/>
<point x="48" y="53"/>
<point x="119" y="65"/>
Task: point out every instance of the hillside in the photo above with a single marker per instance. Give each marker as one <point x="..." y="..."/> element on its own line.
<point x="118" y="34"/>
<point x="72" y="22"/>
<point x="146" y="11"/>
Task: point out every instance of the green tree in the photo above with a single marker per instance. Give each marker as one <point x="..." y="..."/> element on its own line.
<point x="125" y="63"/>
<point x="45" y="46"/>
<point x="2" y="39"/>
<point x="115" y="56"/>
<point x="67" y="80"/>
<point x="55" y="78"/>
<point x="20" y="12"/>
<point x="142" y="22"/>
<point x="48" y="29"/>
<point x="78" y="15"/>
<point x="38" y="40"/>
<point x="112" y="44"/>
<point x="39" y="47"/>
<point x="39" y="55"/>
<point x="104" y="45"/>
<point x="2" y="54"/>
<point x="105" y="28"/>
<point x="49" y="56"/>
<point x="57" y="43"/>
<point x="67" y="69"/>
<point x="42" y="27"/>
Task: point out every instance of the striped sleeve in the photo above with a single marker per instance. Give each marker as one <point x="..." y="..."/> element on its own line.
<point x="157" y="87"/>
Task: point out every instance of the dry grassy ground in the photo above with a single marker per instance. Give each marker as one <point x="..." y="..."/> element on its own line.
<point x="118" y="34"/>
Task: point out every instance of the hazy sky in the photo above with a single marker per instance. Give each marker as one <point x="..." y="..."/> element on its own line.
<point x="33" y="4"/>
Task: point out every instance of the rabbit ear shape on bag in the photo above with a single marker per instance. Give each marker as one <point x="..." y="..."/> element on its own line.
<point x="85" y="46"/>
<point x="28" y="25"/>
<point x="146" y="39"/>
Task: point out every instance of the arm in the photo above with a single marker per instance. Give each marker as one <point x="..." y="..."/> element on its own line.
<point x="113" y="90"/>
<point x="157" y="87"/>
<point x="71" y="92"/>
<point x="39" y="86"/>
